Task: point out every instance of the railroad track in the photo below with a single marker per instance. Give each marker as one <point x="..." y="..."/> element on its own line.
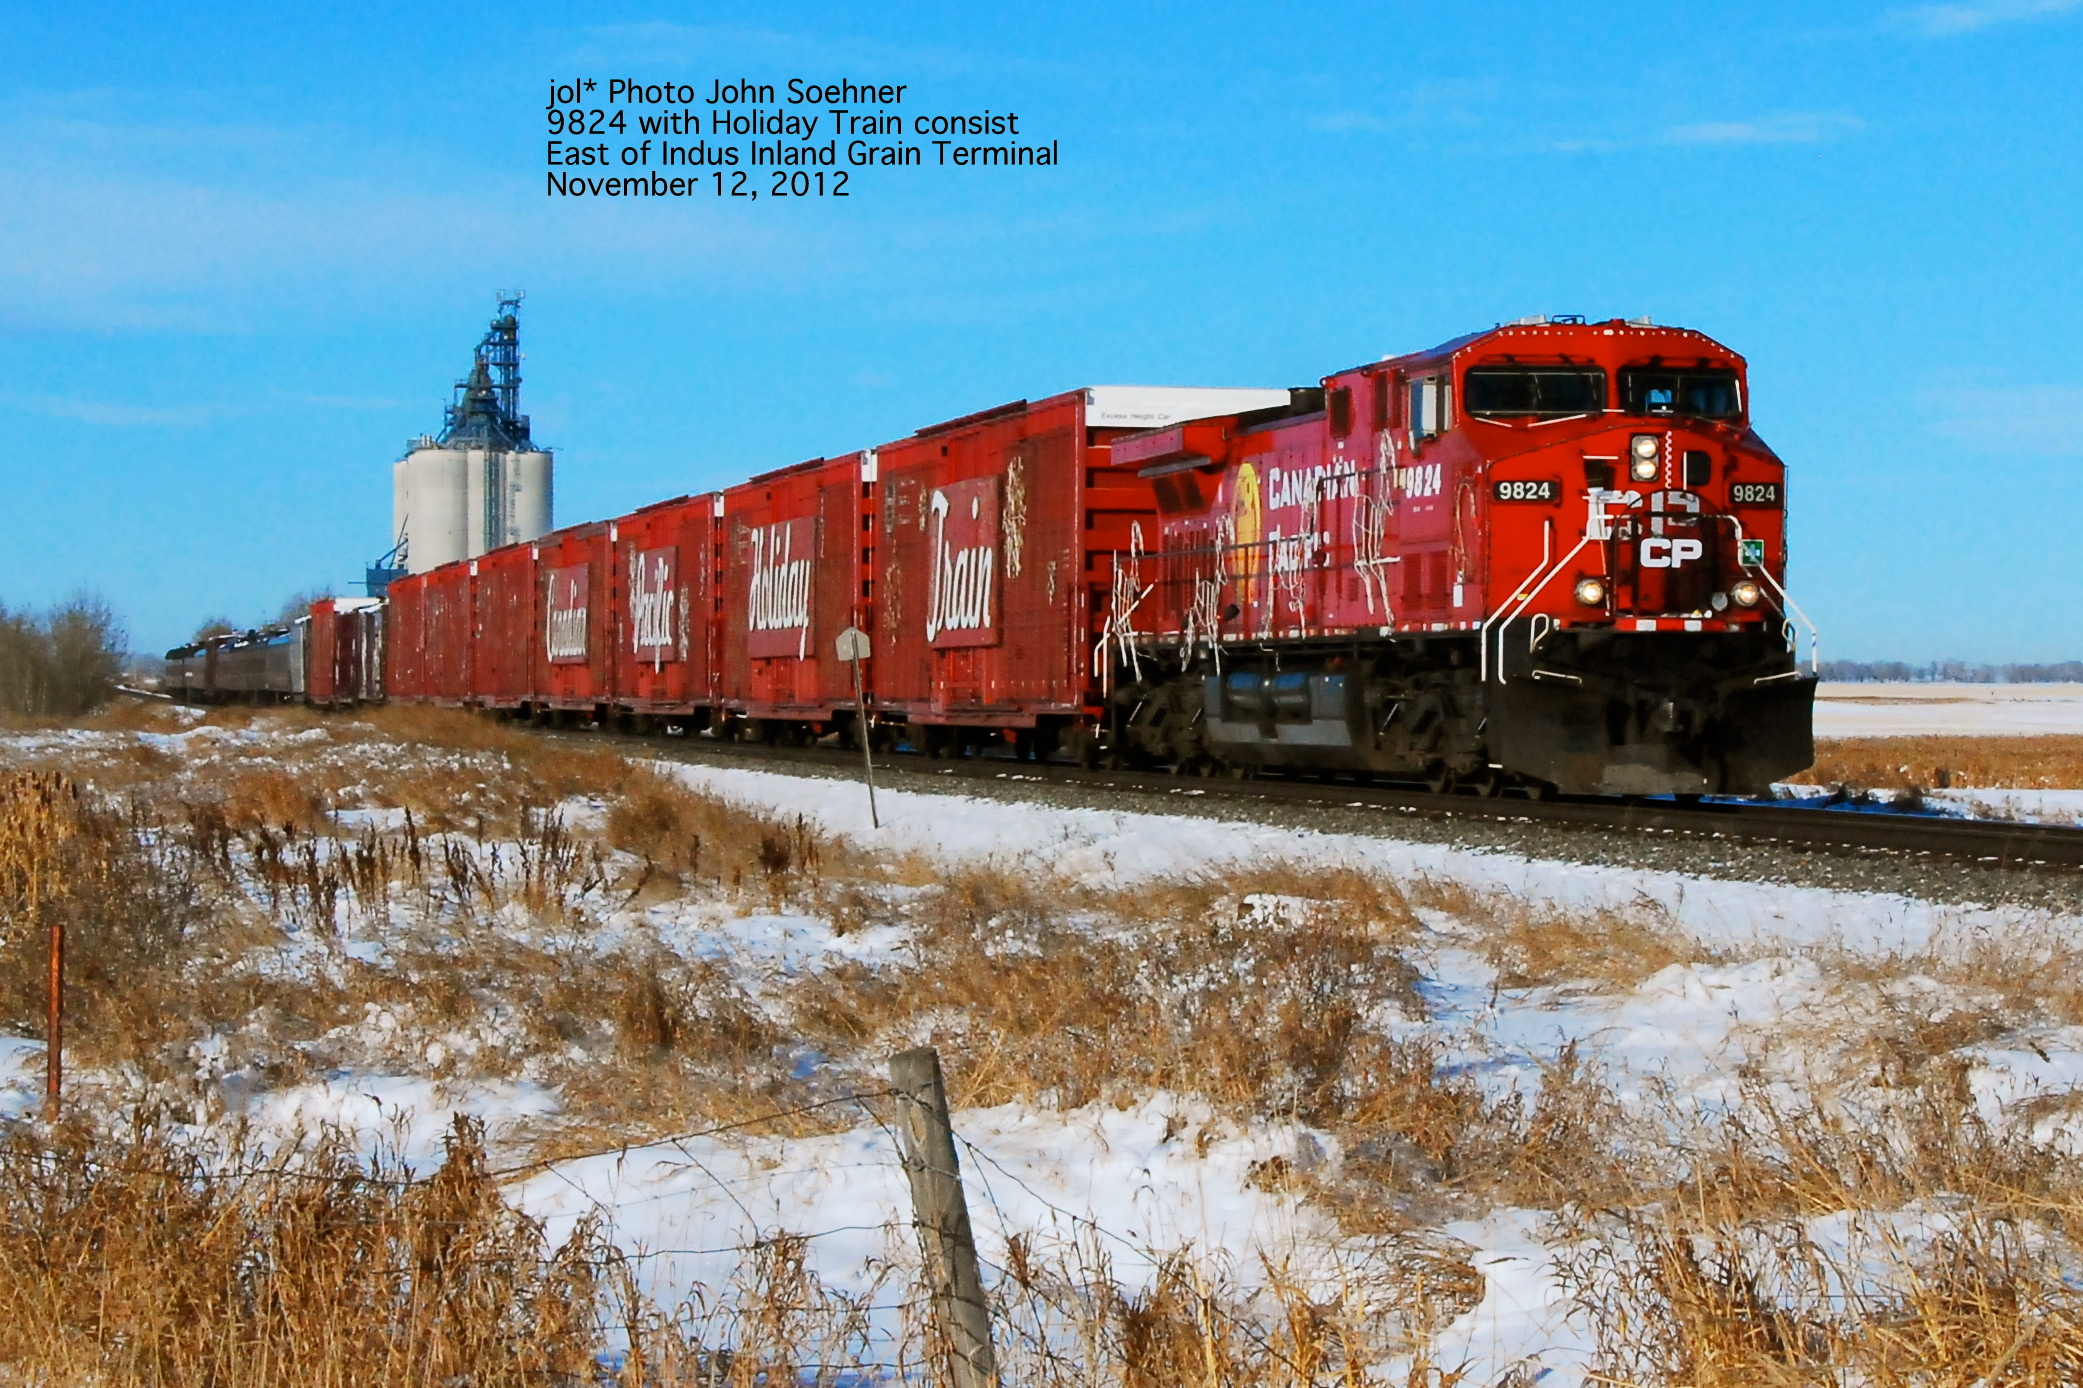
<point x="1992" y="843"/>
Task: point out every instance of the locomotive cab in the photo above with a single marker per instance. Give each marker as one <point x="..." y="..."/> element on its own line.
<point x="1656" y="654"/>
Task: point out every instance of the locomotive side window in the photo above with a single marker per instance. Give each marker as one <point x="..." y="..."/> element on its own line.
<point x="1431" y="400"/>
<point x="1692" y="394"/>
<point x="1503" y="392"/>
<point x="1341" y="407"/>
<point x="1383" y="392"/>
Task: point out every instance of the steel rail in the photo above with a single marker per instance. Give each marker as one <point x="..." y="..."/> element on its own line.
<point x="1990" y="843"/>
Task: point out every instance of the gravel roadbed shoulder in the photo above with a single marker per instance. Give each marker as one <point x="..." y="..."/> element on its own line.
<point x="1940" y="880"/>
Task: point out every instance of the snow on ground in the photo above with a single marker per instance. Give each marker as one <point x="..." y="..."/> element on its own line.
<point x="1160" y="1175"/>
<point x="1521" y="1331"/>
<point x="1846" y="709"/>
<point x="1166" y="1171"/>
<point x="402" y="1118"/>
<point x="21" y="1077"/>
<point x="1117" y="846"/>
<point x="2037" y="806"/>
<point x="2026" y="806"/>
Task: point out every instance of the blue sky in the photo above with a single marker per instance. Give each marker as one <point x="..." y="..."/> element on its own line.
<point x="245" y="250"/>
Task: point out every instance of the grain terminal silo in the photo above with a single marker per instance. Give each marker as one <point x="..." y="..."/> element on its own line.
<point x="483" y="483"/>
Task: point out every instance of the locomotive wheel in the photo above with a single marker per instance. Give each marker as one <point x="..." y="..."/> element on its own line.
<point x="1440" y="781"/>
<point x="1487" y="783"/>
<point x="1538" y="790"/>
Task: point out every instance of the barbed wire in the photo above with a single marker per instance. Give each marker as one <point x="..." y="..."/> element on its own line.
<point x="1208" y="1303"/>
<point x="369" y="1178"/>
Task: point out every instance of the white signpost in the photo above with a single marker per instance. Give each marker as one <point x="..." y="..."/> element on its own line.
<point x="853" y="646"/>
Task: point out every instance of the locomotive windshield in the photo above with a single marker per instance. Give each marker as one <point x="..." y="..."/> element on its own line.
<point x="1693" y="394"/>
<point x="1502" y="392"/>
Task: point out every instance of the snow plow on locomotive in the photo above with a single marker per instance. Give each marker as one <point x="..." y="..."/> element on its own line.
<point x="1549" y="555"/>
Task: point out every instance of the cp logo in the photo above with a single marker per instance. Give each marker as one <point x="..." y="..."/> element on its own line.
<point x="1660" y="553"/>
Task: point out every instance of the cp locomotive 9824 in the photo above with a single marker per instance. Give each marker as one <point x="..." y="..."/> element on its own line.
<point x="1549" y="556"/>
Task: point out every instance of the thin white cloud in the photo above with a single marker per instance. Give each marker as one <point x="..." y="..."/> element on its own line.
<point x="1944" y="21"/>
<point x="1447" y="102"/>
<point x="140" y="225"/>
<point x="2028" y="421"/>
<point x="118" y="415"/>
<point x="1784" y="128"/>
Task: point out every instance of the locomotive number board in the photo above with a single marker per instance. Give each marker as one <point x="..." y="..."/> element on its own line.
<point x="1753" y="494"/>
<point x="1531" y="489"/>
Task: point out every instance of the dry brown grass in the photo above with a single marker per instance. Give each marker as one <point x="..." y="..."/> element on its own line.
<point x="146" y="1260"/>
<point x="1536" y="946"/>
<point x="678" y="831"/>
<point x="141" y="1261"/>
<point x="2020" y="978"/>
<point x="1276" y="993"/>
<point x="1898" y="763"/>
<point x="132" y="909"/>
<point x="127" y="713"/>
<point x="1952" y="1267"/>
<point x="1231" y="988"/>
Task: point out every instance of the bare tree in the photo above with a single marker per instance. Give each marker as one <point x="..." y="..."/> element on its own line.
<point x="299" y="604"/>
<point x="61" y="664"/>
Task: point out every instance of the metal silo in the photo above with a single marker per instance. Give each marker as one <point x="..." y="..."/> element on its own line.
<point x="428" y="510"/>
<point x="484" y="483"/>
<point x="532" y="484"/>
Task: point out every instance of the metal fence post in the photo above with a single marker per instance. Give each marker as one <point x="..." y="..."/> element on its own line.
<point x="853" y="646"/>
<point x="942" y="1216"/>
<point x="54" y="1036"/>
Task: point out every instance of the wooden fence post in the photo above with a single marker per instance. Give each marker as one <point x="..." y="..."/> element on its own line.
<point x="942" y="1216"/>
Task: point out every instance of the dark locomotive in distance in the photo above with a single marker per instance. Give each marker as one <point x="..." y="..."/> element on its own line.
<point x="1550" y="556"/>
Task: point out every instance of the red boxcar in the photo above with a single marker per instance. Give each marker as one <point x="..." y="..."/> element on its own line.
<point x="1001" y="532"/>
<point x="344" y="660"/>
<point x="664" y="659"/>
<point x="798" y="547"/>
<point x="405" y="647"/>
<point x="430" y="631"/>
<point x="507" y="632"/>
<point x="574" y="665"/>
<point x="451" y="629"/>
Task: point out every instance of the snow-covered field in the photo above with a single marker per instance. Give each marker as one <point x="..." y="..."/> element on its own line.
<point x="1715" y="994"/>
<point x="1844" y="710"/>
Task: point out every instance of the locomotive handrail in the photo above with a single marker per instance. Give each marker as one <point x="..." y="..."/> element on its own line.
<point x="1815" y="639"/>
<point x="1524" y="603"/>
<point x="1523" y="595"/>
<point x="1519" y="588"/>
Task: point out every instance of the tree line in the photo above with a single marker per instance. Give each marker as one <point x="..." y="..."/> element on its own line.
<point x="1953" y="672"/>
<point x="62" y="662"/>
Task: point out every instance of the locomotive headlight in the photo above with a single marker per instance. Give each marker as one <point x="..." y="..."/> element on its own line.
<point x="1648" y="458"/>
<point x="1746" y="593"/>
<point x="1591" y="591"/>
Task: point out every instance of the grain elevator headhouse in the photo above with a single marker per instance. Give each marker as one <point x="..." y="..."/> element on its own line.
<point x="483" y="483"/>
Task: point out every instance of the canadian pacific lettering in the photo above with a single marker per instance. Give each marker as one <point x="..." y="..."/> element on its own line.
<point x="653" y="628"/>
<point x="966" y="526"/>
<point x="961" y="597"/>
<point x="778" y="595"/>
<point x="564" y="636"/>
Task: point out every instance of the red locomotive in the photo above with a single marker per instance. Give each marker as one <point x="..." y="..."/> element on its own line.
<point x="1550" y="555"/>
